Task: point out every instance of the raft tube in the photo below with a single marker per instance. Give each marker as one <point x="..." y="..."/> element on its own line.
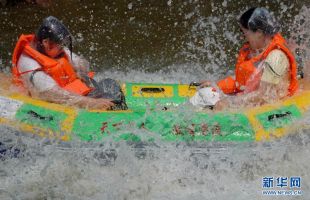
<point x="155" y="111"/>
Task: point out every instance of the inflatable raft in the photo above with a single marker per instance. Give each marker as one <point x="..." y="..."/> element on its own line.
<point x="152" y="115"/>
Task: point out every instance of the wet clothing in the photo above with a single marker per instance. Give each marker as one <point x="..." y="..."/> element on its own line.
<point x="40" y="80"/>
<point x="247" y="68"/>
<point x="205" y="97"/>
<point x="108" y="89"/>
<point x="33" y="69"/>
<point x="59" y="69"/>
<point x="276" y="67"/>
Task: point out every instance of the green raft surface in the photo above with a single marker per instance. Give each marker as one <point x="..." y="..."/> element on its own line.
<point x="147" y="120"/>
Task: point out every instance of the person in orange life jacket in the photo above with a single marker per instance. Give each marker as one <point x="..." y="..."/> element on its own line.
<point x="45" y="66"/>
<point x="266" y="69"/>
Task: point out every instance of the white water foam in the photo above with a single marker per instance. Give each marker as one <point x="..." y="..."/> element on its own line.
<point x="109" y="170"/>
<point x="152" y="171"/>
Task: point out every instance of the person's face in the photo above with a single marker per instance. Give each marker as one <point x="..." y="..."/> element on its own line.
<point x="52" y="49"/>
<point x="254" y="38"/>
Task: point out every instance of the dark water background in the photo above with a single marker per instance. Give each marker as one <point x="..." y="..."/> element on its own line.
<point x="145" y="35"/>
<point x="156" y="41"/>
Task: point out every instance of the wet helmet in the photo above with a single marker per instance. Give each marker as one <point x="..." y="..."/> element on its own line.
<point x="259" y="19"/>
<point x="51" y="28"/>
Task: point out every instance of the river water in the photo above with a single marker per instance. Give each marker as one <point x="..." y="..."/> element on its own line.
<point x="153" y="41"/>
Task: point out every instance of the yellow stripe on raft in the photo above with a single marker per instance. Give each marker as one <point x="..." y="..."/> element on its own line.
<point x="33" y="129"/>
<point x="186" y="90"/>
<point x="301" y="100"/>
<point x="66" y="125"/>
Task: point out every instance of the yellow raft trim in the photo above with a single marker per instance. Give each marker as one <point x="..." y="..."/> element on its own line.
<point x="66" y="125"/>
<point x="301" y="100"/>
<point x="186" y="90"/>
<point x="34" y="130"/>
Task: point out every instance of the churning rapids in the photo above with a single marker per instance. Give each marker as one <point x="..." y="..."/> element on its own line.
<point x="194" y="47"/>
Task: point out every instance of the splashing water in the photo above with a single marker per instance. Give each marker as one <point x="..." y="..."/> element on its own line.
<point x="108" y="170"/>
<point x="151" y="171"/>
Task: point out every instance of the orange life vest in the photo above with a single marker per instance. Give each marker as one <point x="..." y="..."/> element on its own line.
<point x="246" y="67"/>
<point x="60" y="69"/>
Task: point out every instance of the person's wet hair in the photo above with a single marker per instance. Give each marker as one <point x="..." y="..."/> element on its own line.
<point x="244" y="19"/>
<point x="54" y="30"/>
<point x="259" y="19"/>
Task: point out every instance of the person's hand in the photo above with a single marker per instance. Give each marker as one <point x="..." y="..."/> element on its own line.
<point x="104" y="104"/>
<point x="221" y="104"/>
<point x="205" y="83"/>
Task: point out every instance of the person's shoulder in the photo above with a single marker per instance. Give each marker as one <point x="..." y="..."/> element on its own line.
<point x="73" y="57"/>
<point x="277" y="59"/>
<point x="278" y="53"/>
<point x="276" y="66"/>
<point x="26" y="63"/>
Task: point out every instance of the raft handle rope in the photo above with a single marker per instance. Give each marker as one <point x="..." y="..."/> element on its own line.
<point x="152" y="90"/>
<point x="38" y="116"/>
<point x="279" y="115"/>
<point x="194" y="84"/>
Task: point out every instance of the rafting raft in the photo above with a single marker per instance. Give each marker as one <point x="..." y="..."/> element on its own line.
<point x="156" y="111"/>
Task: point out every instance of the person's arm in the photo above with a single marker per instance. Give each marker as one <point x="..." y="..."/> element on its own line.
<point x="61" y="96"/>
<point x="45" y="88"/>
<point x="264" y="94"/>
<point x="42" y="86"/>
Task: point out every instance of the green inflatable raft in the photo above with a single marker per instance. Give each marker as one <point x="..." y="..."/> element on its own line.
<point x="153" y="114"/>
